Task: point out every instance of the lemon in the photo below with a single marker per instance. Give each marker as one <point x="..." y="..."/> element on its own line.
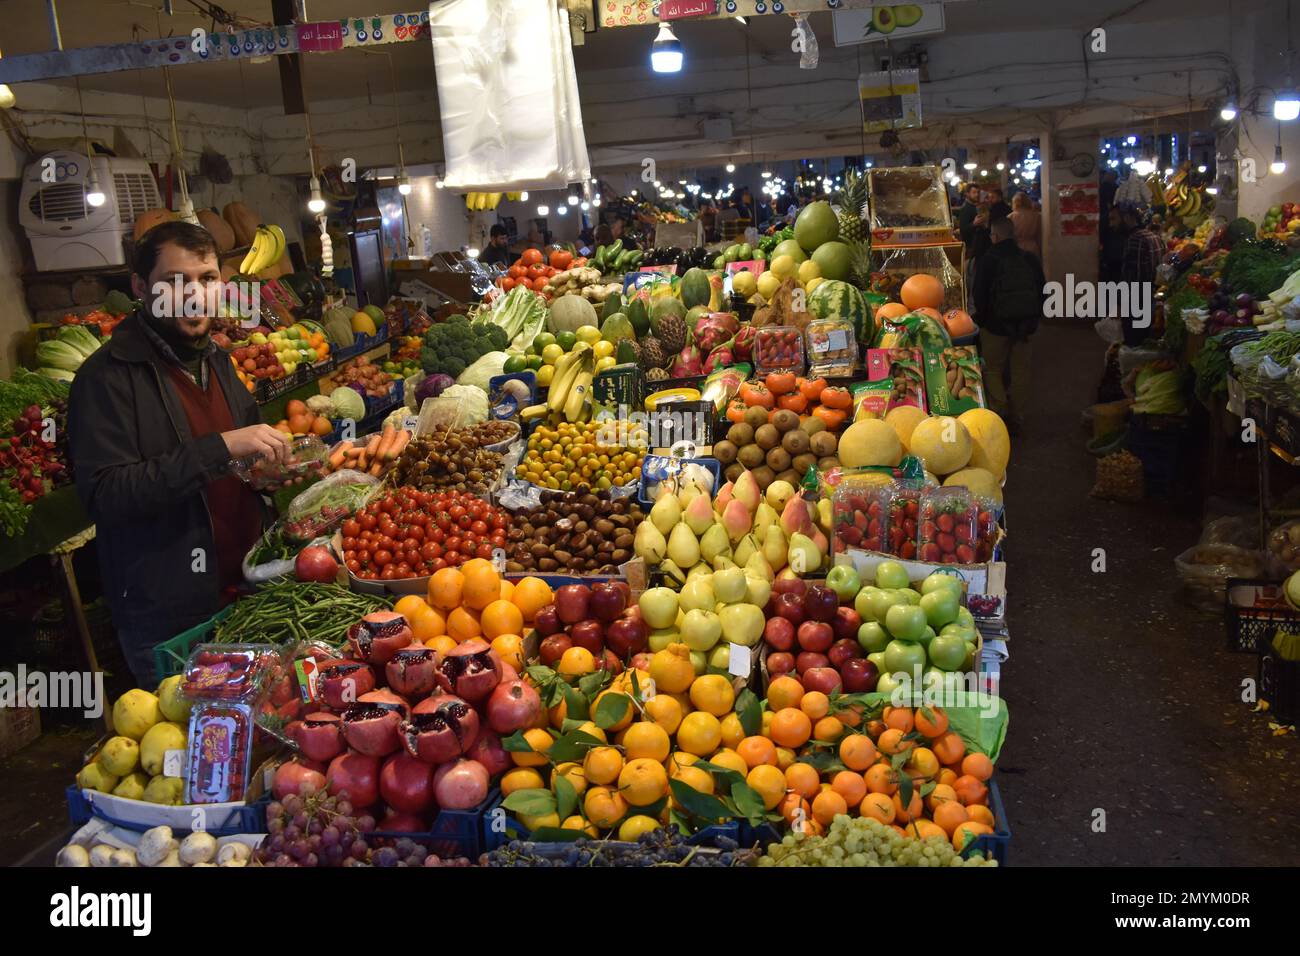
<point x="769" y="282"/>
<point x="589" y="334"/>
<point x="744" y="284"/>
<point x="808" y="270"/>
<point x="783" y="267"/>
<point x="551" y="819"/>
<point x="813" y="283"/>
<point x="551" y="354"/>
<point x="602" y="349"/>
<point x="633" y="827"/>
<point x="544" y="376"/>
<point x="607" y="362"/>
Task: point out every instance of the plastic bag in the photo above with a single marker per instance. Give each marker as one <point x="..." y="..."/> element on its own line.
<point x="860" y="516"/>
<point x="325" y="505"/>
<point x="949" y="519"/>
<point x="1284" y="544"/>
<point x="1204" y="570"/>
<point x="1119" y="478"/>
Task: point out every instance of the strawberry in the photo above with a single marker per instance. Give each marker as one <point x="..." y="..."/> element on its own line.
<point x="930" y="552"/>
<point x="947" y="543"/>
<point x="965" y="554"/>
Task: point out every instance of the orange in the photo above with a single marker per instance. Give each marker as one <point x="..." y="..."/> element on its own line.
<point x="931" y="728"/>
<point x="575" y="662"/>
<point x="803" y="779"/>
<point x="442" y="643"/>
<point x="942" y="793"/>
<point x="914" y="809"/>
<point x="664" y="711"/>
<point x="678" y="761"/>
<point x="877" y="806"/>
<point x="530" y="595"/>
<point x="892" y="310"/>
<point x="922" y="763"/>
<point x="646" y="739"/>
<point x="948" y="815"/>
<point x="695" y="778"/>
<point x="629" y="708"/>
<point x="795" y="810"/>
<point x="409" y="605"/>
<point x="827" y="805"/>
<point x="541" y="742"/>
<point x="850" y="786"/>
<point x="462" y="624"/>
<point x="857" y="752"/>
<point x="571" y="772"/>
<point x="850" y="715"/>
<point x="828" y="729"/>
<point x="949" y="748"/>
<point x="730" y="760"/>
<point x="427" y="623"/>
<point x="784" y="692"/>
<point x="971" y="789"/>
<point x="510" y="648"/>
<point x="643" y="781"/>
<point x="482" y="583"/>
<point x="713" y="694"/>
<point x="768" y="782"/>
<point x="897" y="829"/>
<point x="603" y="806"/>
<point x="875" y="728"/>
<point x="521" y="778"/>
<point x="925" y="829"/>
<point x="899" y="718"/>
<point x="602" y="765"/>
<point x="921" y="290"/>
<point x="755" y="751"/>
<point x="501" y="617"/>
<point x="784" y="757"/>
<point x="791" y="727"/>
<point x="978" y="766"/>
<point x="700" y="733"/>
<point x="446" y="586"/>
<point x="880" y="778"/>
<point x="892" y="742"/>
<point x="732" y="731"/>
<point x="968" y="831"/>
<point x="980" y="814"/>
<point x="507" y="589"/>
<point x="947" y="776"/>
<point x="815" y="704"/>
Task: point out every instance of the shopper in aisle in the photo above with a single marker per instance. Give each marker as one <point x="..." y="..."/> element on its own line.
<point x="1143" y="250"/>
<point x="497" y="252"/>
<point x="1112" y="241"/>
<point x="966" y="214"/>
<point x="156" y="419"/>
<point x="1009" y="301"/>
<point x="618" y="230"/>
<point x="1027" y="224"/>
<point x="745" y="204"/>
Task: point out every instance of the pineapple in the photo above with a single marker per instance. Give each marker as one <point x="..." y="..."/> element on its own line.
<point x="853" y="201"/>
<point x="672" y="334"/>
<point x="652" y="354"/>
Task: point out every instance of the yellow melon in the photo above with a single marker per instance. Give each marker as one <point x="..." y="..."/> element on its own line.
<point x="150" y="218"/>
<point x="943" y="443"/>
<point x="904" y="419"/>
<point x="990" y="443"/>
<point x="978" y="481"/>
<point x="871" y="441"/>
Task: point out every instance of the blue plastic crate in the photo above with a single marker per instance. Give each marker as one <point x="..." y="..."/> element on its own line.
<point x="361" y="344"/>
<point x="514" y="830"/>
<point x="455" y="832"/>
<point x="249" y="818"/>
<point x="997" y="843"/>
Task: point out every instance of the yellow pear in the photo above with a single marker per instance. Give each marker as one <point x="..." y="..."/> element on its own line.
<point x="683" y="548"/>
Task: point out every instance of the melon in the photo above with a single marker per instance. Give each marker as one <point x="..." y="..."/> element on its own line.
<point x="990" y="443"/>
<point x="904" y="419"/>
<point x="150" y="218"/>
<point x="833" y="299"/>
<point x="870" y="442"/>
<point x="211" y="220"/>
<point x="787" y="247"/>
<point x="243" y="222"/>
<point x="977" y="481"/>
<point x="694" y="288"/>
<point x="835" y="259"/>
<point x="815" y="224"/>
<point x="569" y="313"/>
<point x="942" y="442"/>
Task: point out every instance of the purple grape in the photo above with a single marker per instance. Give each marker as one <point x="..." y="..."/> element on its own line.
<point x="366" y="823"/>
<point x="300" y="820"/>
<point x="292" y="833"/>
<point x="282" y="860"/>
<point x="274" y="808"/>
<point x="343" y="807"/>
<point x="310" y="860"/>
<point x="329" y="836"/>
<point x="359" y="850"/>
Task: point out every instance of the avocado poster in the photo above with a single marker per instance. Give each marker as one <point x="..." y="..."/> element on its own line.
<point x="887" y="22"/>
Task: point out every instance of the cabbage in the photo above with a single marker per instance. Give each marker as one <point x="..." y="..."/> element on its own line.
<point x="458" y="407"/>
<point x="483" y="370"/>
<point x="348" y="403"/>
<point x="1158" y="392"/>
<point x="431" y="386"/>
<point x="56" y="353"/>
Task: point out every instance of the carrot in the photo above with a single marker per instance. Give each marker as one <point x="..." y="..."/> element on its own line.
<point x="373" y="444"/>
<point x="362" y="458"/>
<point x="340" y="454"/>
<point x="399" y="443"/>
<point x="385" y="442"/>
<point x="377" y="469"/>
<point x="355" y="451"/>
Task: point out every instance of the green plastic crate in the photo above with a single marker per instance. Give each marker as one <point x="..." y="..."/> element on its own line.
<point x="170" y="656"/>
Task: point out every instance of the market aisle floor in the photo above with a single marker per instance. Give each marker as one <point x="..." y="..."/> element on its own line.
<point x="1122" y="699"/>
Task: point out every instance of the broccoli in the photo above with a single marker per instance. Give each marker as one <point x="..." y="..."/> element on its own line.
<point x="499" y="338"/>
<point x="457" y="320"/>
<point x="430" y="360"/>
<point x="453" y="367"/>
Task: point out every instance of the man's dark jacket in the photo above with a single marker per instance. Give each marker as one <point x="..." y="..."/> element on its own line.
<point x="1008" y="291"/>
<point x="142" y="476"/>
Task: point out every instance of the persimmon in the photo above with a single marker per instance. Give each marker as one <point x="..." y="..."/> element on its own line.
<point x="833" y="417"/>
<point x="736" y="411"/>
<point x="756" y="394"/>
<point x="837" y="397"/>
<point x="780" y="383"/>
<point x="812" y="388"/>
<point x="793" y="401"/>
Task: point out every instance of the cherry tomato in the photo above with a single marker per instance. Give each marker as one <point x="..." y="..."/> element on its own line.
<point x="388" y="505"/>
<point x="411" y="557"/>
<point x="464" y="520"/>
<point x="415" y="532"/>
<point x="349" y="544"/>
<point x="403" y="570"/>
<point x="498" y="521"/>
<point x="437" y="535"/>
<point x="351" y="528"/>
<point x="363" y="555"/>
<point x="429" y="551"/>
<point x="484" y="551"/>
<point x="368" y="521"/>
<point x="453" y="543"/>
<point x="499" y="540"/>
<point x="479" y="527"/>
<point x="354" y="566"/>
<point x="389" y="572"/>
<point x="383" y="557"/>
<point x="437" y="564"/>
<point x="456" y="511"/>
<point x="452" y="558"/>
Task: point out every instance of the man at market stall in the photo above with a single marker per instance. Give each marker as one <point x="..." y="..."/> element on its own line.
<point x="1009" y="300"/>
<point x="156" y="420"/>
<point x="497" y="252"/>
<point x="1143" y="250"/>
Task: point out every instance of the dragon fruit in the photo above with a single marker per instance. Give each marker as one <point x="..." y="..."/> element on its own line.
<point x="710" y="333"/>
<point x="743" y="343"/>
<point x="688" y="363"/>
<point x="720" y="357"/>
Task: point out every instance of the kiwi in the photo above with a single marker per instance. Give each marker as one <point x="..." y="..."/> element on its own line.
<point x="785" y="419"/>
<point x="751" y="456"/>
<point x="764" y="476"/>
<point x="829" y="462"/>
<point x="803" y="462"/>
<point x="791" y="476"/>
<point x="767" y="437"/>
<point x="756" y="416"/>
<point x="740" y="434"/>
<point x="734" y="471"/>
<point x="725" y="452"/>
<point x="778" y="459"/>
<point x="795" y="441"/>
<point x="823" y="444"/>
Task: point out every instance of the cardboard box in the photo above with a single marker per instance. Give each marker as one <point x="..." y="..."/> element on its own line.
<point x="19" y="726"/>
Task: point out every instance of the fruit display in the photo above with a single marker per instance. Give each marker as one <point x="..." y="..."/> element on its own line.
<point x="159" y="847"/>
<point x="865" y="841"/>
<point x="593" y="619"/>
<point x="455" y="459"/>
<point x="1280" y="222"/>
<point x="364" y="376"/>
<point x="573" y="532"/>
<point x="534" y="271"/>
<point x="573" y="457"/>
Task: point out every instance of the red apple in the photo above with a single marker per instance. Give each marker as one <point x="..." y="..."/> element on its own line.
<point x="627" y="636"/>
<point x="815" y="636"/>
<point x="790" y="607"/>
<point x="782" y="662"/>
<point x="779" y="633"/>
<point x="573" y="602"/>
<point x="846" y="624"/>
<point x="807" y="660"/>
<point x="859" y="675"/>
<point x="641" y="662"/>
<point x="610" y="662"/>
<point x="789" y="586"/>
<point x="553" y="648"/>
<point x="825" y="679"/>
<point x="548" y="621"/>
<point x="842" y="651"/>
<point x="589" y="634"/>
<point x="627" y="592"/>
<point x="820" y="603"/>
<point x="607" y="601"/>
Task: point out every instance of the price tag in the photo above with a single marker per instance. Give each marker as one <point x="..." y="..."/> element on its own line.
<point x="173" y="763"/>
<point x="739" y="660"/>
<point x="409" y="423"/>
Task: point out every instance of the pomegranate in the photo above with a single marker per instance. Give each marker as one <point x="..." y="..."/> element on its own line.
<point x="406" y="784"/>
<point x="370" y="725"/>
<point x="291" y="775"/>
<point x="413" y="671"/>
<point x="319" y="736"/>
<point x="488" y="751"/>
<point x="378" y="636"/>
<point x="508" y="673"/>
<point x="512" y="707"/>
<point x="341" y="683"/>
<point x="395" y="822"/>
<point x="461" y="785"/>
<point x="441" y="728"/>
<point x="470" y="670"/>
<point x="355" y="774"/>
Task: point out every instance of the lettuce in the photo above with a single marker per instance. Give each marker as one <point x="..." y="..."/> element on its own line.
<point x="56" y="353"/>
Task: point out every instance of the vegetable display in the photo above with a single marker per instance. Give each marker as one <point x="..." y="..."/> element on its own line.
<point x="451" y="347"/>
<point x="283" y="612"/>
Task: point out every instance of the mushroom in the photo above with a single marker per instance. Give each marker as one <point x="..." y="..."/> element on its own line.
<point x="198" y="847"/>
<point x="155" y="845"/>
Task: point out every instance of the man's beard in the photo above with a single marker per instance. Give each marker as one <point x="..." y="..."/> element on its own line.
<point x="191" y="329"/>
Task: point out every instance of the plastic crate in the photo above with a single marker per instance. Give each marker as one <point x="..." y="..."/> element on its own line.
<point x="456" y="832"/>
<point x="361" y="344"/>
<point x="1279" y="684"/>
<point x="514" y="830"/>
<point x="268" y="389"/>
<point x="1253" y="610"/>
<point x="248" y="818"/>
<point x="170" y="656"/>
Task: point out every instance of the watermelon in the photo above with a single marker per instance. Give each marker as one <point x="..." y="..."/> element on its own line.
<point x="694" y="288"/>
<point x="931" y="335"/>
<point x="834" y="299"/>
<point x="638" y="315"/>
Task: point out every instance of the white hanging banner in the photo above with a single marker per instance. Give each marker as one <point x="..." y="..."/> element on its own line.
<point x="508" y="95"/>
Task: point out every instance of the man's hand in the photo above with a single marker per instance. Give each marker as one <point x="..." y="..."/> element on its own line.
<point x="261" y="440"/>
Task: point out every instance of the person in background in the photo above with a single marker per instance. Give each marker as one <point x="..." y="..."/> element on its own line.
<point x="604" y="235"/>
<point x="535" y="238"/>
<point x="1143" y="250"/>
<point x="709" y="220"/>
<point x="618" y="230"/>
<point x="156" y="420"/>
<point x="497" y="252"/>
<point x="745" y="204"/>
<point x="1106" y="200"/>
<point x="990" y="211"/>
<point x="1009" y="300"/>
<point x="1112" y="246"/>
<point x="1027" y="224"/>
<point x="966" y="214"/>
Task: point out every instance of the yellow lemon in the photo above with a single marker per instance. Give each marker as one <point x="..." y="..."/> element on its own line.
<point x="602" y="348"/>
<point x="783" y="267"/>
<point x="808" y="270"/>
<point x="633" y="827"/>
<point x="768" y="283"/>
<point x="589" y="334"/>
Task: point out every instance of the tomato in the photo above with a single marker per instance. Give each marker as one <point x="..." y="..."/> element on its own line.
<point x="388" y="529"/>
<point x="437" y="535"/>
<point x="403" y="570"/>
<point x="367" y="521"/>
<point x="452" y="558"/>
<point x="429" y="551"/>
<point x="354" y="566"/>
<point x="411" y="557"/>
<point x="389" y="572"/>
<point x="479" y="527"/>
<point x="383" y="557"/>
<point x="363" y="555"/>
<point x="531" y="256"/>
<point x="561" y="259"/>
<point x="437" y="564"/>
<point x="388" y="505"/>
<point x="453" y="543"/>
<point x="351" y="528"/>
<point x="464" y="521"/>
<point x="349" y="544"/>
<point x="484" y="551"/>
<point x="539" y="284"/>
<point x="420" y="519"/>
<point x="537" y="271"/>
<point x="499" y="540"/>
<point x="498" y="520"/>
<point x="443" y="521"/>
<point x="455" y="511"/>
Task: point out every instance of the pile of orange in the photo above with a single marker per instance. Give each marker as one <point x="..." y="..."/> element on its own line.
<point x="949" y="785"/>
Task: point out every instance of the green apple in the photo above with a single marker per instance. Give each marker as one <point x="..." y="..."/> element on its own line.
<point x="720" y="659"/>
<point x="700" y="661"/>
<point x="968" y="663"/>
<point x="910" y="595"/>
<point x="658" y="607"/>
<point x="860" y="602"/>
<point x="872" y="637"/>
<point x="730" y="585"/>
<point x="947" y="652"/>
<point x="906" y="656"/>
<point x="965" y="618"/>
<point x="905" y="622"/>
<point x="940" y="607"/>
<point x="697" y="594"/>
<point x="844" y="580"/>
<point x="891" y="574"/>
<point x="879" y="603"/>
<point x="878" y="658"/>
<point x="661" y="637"/>
<point x="890" y="683"/>
<point x="701" y="629"/>
<point x="926" y="636"/>
<point x="940" y="580"/>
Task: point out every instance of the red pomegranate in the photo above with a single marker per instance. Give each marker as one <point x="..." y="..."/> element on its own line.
<point x="343" y="682"/>
<point x="291" y="775"/>
<point x="413" y="671"/>
<point x="394" y="822"/>
<point x="461" y="785"/>
<point x="319" y="736"/>
<point x="406" y="784"/>
<point x="378" y="636"/>
<point x="470" y="670"/>
<point x="513" y="706"/>
<point x="441" y="728"/>
<point x="370" y="725"/>
<point x="355" y="774"/>
<point x="488" y="751"/>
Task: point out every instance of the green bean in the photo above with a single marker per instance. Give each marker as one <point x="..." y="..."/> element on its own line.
<point x="284" y="612"/>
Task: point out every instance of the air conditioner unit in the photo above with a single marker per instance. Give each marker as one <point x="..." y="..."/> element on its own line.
<point x="65" y="231"/>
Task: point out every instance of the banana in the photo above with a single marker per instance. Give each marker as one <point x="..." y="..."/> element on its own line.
<point x="579" y="398"/>
<point x="280" y="243"/>
<point x="262" y="241"/>
<point x="566" y="370"/>
<point x="493" y="200"/>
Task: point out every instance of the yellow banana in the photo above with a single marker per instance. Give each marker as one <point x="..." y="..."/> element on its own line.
<point x="262" y="240"/>
<point x="565" y="372"/>
<point x="280" y="242"/>
<point x="579" y="399"/>
<point x="494" y="200"/>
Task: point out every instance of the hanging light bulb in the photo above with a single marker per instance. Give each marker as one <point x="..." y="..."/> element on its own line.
<point x="666" y="51"/>
<point x="968" y="165"/>
<point x="317" y="202"/>
<point x="584" y="206"/>
<point x="472" y="252"/>
<point x="439" y="184"/>
<point x="543" y="210"/>
<point x="731" y="167"/>
<point x="562" y="210"/>
<point x="94" y="194"/>
<point x="403" y="183"/>
<point x="523" y="196"/>
<point x="1278" y="166"/>
<point x="1001" y="166"/>
<point x="573" y="200"/>
<point x="1286" y="104"/>
<point x="7" y="98"/>
<point x="1200" y="169"/>
<point x="1212" y="190"/>
<point x="596" y="201"/>
<point x="1228" y="112"/>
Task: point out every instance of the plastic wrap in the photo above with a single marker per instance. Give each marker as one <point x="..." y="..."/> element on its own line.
<point x="949" y="521"/>
<point x="1204" y="570"/>
<point x="832" y="348"/>
<point x="778" y="348"/>
<point x="908" y="197"/>
<point x="860" y="516"/>
<point x="892" y="267"/>
<point x="902" y="367"/>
